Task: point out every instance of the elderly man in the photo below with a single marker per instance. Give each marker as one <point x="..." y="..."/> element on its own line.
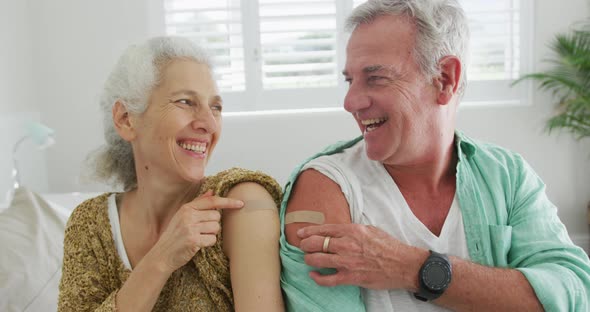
<point x="416" y="215"/>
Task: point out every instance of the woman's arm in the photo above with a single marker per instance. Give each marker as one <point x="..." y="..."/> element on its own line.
<point x="84" y="287"/>
<point x="142" y="289"/>
<point x="251" y="242"/>
<point x="194" y="226"/>
<point x="89" y="285"/>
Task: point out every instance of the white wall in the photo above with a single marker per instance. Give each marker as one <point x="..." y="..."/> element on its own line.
<point x="17" y="86"/>
<point x="76" y="43"/>
<point x="18" y="100"/>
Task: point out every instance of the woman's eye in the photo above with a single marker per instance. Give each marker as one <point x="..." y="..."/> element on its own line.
<point x="185" y="101"/>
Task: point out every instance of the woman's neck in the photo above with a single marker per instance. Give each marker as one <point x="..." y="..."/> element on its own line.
<point x="154" y="204"/>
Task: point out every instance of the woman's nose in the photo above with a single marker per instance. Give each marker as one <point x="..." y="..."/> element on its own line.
<point x="206" y="120"/>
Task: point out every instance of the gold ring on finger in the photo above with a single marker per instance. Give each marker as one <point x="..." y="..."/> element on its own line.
<point x="326" y="244"/>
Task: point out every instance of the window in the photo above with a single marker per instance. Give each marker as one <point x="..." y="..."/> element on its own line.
<point x="288" y="54"/>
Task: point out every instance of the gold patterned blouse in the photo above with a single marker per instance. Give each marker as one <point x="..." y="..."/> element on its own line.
<point x="93" y="272"/>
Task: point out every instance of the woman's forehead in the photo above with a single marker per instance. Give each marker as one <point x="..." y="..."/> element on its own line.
<point x="187" y="76"/>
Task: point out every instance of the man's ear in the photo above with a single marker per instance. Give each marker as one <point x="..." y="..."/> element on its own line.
<point x="447" y="83"/>
<point x="123" y="121"/>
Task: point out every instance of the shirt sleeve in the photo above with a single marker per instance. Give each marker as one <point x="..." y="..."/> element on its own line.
<point x="222" y="182"/>
<point x="301" y="292"/>
<point x="82" y="287"/>
<point x="558" y="270"/>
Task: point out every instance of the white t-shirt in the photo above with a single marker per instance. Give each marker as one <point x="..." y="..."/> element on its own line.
<point x="116" y="229"/>
<point x="375" y="199"/>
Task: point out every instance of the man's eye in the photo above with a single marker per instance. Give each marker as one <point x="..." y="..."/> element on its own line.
<point x="348" y="81"/>
<point x="375" y="78"/>
<point x="217" y="107"/>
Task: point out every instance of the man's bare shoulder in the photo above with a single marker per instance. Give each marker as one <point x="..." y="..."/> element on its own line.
<point x="314" y="191"/>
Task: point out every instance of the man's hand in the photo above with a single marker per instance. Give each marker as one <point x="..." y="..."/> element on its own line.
<point x="362" y="255"/>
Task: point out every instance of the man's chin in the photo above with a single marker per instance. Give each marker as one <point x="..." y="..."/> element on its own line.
<point x="374" y="154"/>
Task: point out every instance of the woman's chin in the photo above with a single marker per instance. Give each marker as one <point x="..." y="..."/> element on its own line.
<point x="195" y="176"/>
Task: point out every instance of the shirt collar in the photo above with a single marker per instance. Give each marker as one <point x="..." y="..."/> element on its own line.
<point x="465" y="146"/>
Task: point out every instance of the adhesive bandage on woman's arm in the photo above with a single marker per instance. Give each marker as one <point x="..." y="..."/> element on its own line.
<point x="304" y="216"/>
<point x="259" y="204"/>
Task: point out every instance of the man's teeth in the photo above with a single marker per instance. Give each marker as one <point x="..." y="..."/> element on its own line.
<point x="372" y="124"/>
<point x="368" y="122"/>
<point x="197" y="148"/>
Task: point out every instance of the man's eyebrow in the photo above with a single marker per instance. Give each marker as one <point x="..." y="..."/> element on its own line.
<point x="374" y="68"/>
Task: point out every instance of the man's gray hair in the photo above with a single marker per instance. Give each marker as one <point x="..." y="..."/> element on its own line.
<point x="442" y="29"/>
<point x="131" y="82"/>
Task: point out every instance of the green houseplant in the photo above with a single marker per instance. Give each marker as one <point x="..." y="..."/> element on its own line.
<point x="569" y="81"/>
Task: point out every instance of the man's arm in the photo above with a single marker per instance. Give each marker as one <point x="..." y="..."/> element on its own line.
<point x="316" y="192"/>
<point x="481" y="288"/>
<point x="370" y="258"/>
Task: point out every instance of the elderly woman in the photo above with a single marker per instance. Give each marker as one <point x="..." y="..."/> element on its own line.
<point x="174" y="239"/>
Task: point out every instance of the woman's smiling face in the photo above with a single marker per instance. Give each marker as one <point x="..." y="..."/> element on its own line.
<point x="177" y="133"/>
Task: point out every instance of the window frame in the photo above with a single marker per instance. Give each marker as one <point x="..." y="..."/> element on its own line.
<point x="255" y="99"/>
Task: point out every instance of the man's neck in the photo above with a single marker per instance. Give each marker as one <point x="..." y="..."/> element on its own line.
<point x="433" y="175"/>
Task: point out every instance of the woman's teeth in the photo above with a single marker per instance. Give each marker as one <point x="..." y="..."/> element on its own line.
<point x="194" y="147"/>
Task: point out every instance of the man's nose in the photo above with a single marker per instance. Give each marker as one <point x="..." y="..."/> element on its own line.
<point x="356" y="99"/>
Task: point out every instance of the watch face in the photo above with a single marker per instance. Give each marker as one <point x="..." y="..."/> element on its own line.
<point x="436" y="275"/>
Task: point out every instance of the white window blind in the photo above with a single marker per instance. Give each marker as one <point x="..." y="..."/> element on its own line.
<point x="495" y="38"/>
<point x="217" y="26"/>
<point x="298" y="42"/>
<point x="288" y="54"/>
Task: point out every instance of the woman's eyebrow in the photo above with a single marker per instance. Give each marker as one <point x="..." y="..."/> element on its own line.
<point x="185" y="91"/>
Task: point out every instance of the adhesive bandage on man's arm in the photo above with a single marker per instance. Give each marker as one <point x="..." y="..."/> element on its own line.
<point x="304" y="216"/>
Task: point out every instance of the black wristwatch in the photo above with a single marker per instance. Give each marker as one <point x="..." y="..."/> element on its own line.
<point x="434" y="277"/>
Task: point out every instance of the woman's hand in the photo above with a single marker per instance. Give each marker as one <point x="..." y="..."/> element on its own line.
<point x="194" y="226"/>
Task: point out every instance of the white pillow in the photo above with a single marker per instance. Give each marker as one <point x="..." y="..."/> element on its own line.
<point x="31" y="238"/>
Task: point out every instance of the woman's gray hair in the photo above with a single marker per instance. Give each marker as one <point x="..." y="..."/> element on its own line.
<point x="442" y="29"/>
<point x="131" y="82"/>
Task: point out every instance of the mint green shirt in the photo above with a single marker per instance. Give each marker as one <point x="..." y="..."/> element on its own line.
<point x="508" y="221"/>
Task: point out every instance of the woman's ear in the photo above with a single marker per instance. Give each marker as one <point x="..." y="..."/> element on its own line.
<point x="123" y="121"/>
<point x="447" y="83"/>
